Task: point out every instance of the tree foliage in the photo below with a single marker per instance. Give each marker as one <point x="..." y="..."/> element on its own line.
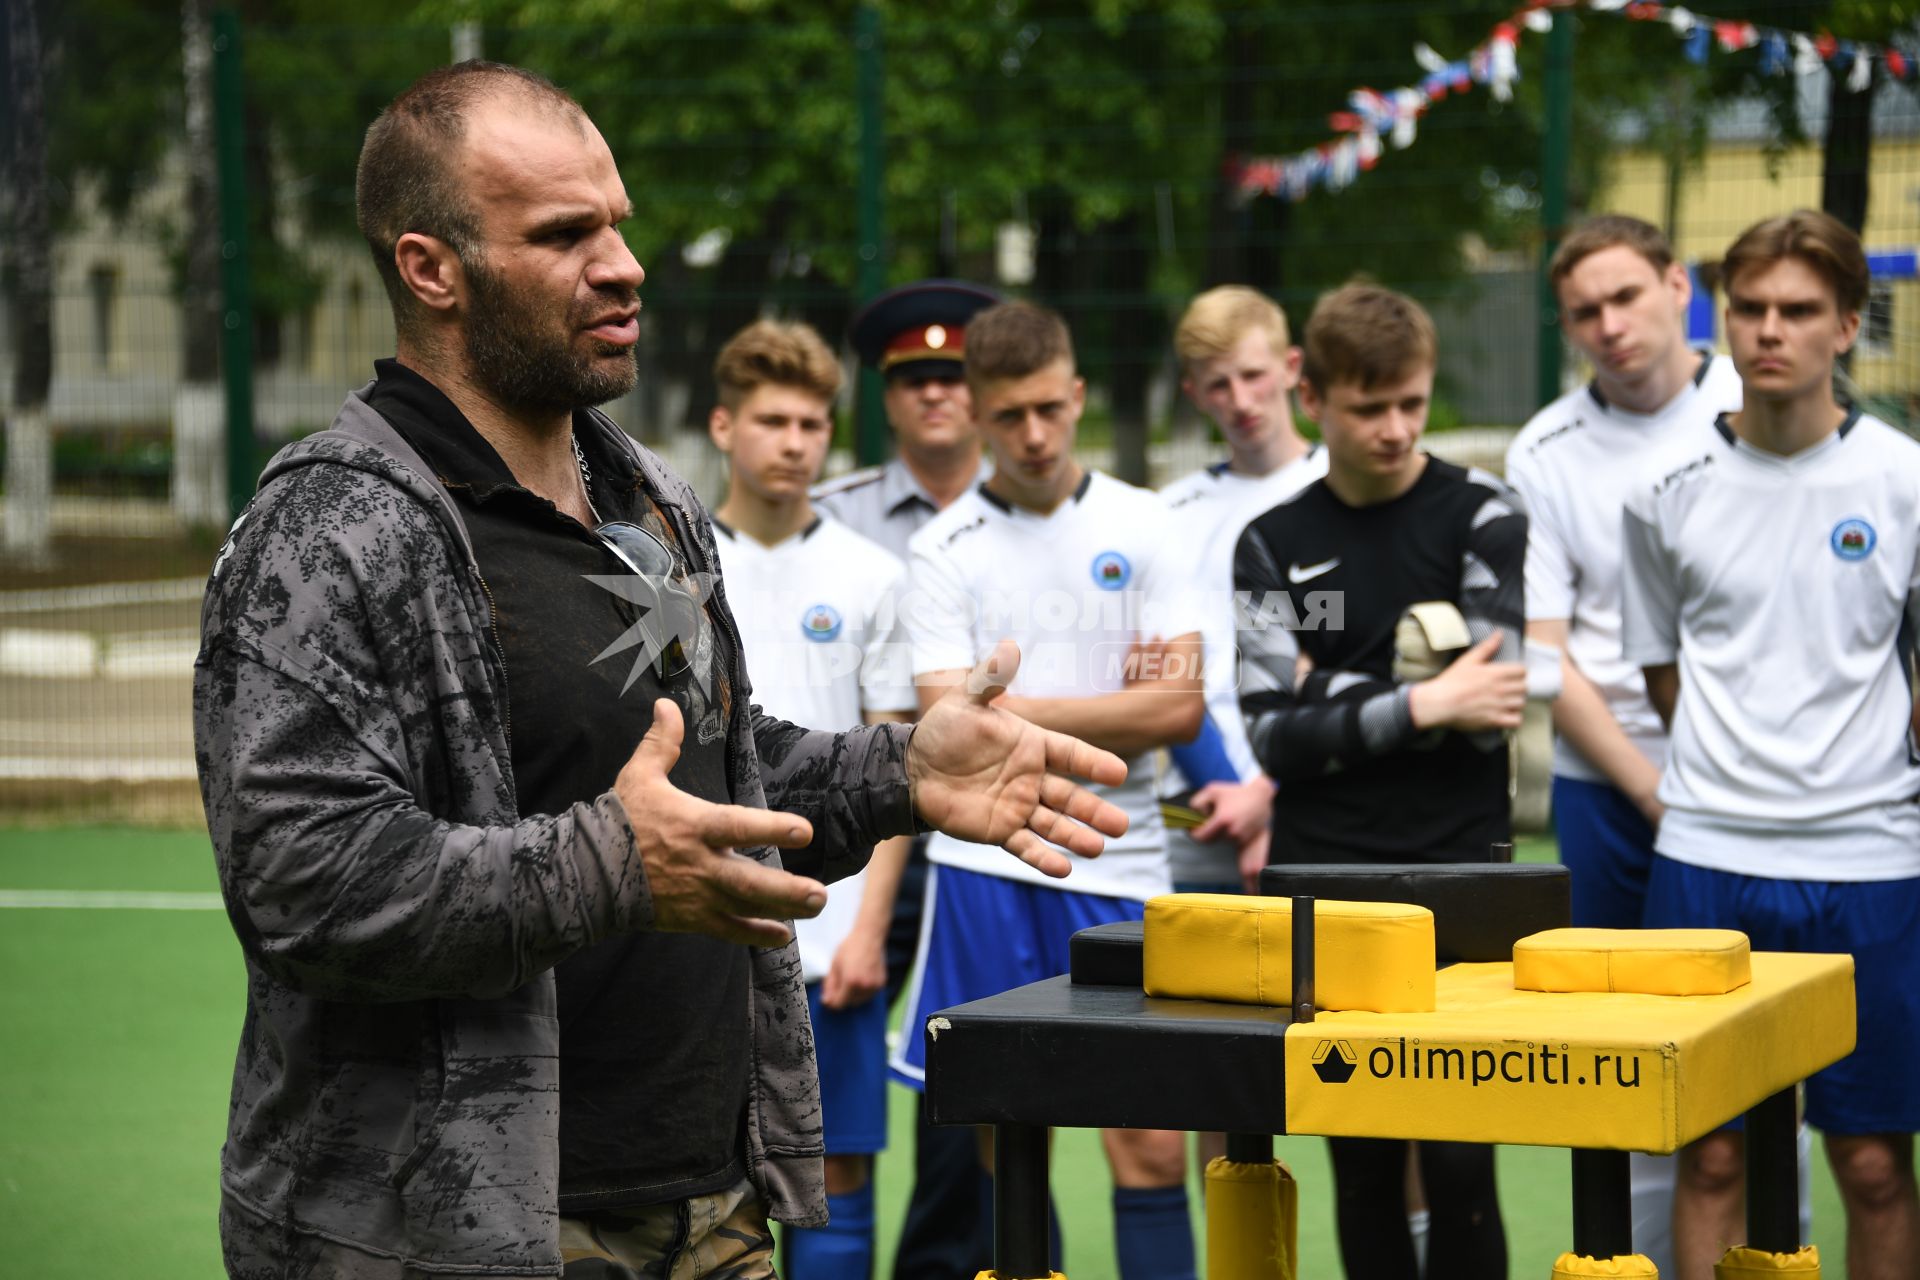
<point x="1105" y="126"/>
<point x="316" y="73"/>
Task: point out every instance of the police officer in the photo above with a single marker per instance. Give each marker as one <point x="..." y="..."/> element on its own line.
<point x="915" y="335"/>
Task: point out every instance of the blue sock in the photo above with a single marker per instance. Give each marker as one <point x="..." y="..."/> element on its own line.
<point x="841" y="1250"/>
<point x="1152" y="1234"/>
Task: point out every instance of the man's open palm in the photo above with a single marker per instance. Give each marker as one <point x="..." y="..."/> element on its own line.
<point x="986" y="775"/>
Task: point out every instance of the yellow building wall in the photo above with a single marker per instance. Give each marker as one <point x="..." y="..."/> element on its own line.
<point x="1733" y="186"/>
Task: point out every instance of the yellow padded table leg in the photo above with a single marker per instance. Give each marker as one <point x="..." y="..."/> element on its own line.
<point x="1573" y="1266"/>
<point x="1253" y="1213"/>
<point x="1758" y="1264"/>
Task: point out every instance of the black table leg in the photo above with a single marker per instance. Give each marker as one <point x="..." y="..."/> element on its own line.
<point x="1773" y="1174"/>
<point x="1602" y="1204"/>
<point x="1250" y="1148"/>
<point x="1020" y="1202"/>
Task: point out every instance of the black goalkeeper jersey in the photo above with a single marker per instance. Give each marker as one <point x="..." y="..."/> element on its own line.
<point x="1357" y="781"/>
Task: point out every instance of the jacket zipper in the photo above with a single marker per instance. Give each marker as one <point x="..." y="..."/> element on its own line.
<point x="499" y="652"/>
<point x="696" y="555"/>
<point x="493" y="633"/>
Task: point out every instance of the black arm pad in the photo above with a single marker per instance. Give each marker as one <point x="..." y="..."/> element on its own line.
<point x="1480" y="909"/>
<point x="1108" y="955"/>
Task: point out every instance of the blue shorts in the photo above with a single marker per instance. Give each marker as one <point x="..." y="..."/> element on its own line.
<point x="1874" y="1089"/>
<point x="850" y="1046"/>
<point x="983" y="935"/>
<point x="1606" y="844"/>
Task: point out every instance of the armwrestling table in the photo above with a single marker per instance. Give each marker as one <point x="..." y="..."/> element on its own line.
<point x="1602" y="1073"/>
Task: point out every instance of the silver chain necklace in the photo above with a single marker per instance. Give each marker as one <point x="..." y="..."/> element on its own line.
<point x="586" y="476"/>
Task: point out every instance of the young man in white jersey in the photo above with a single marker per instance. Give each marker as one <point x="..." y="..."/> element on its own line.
<point x="914" y="336"/>
<point x="1239" y="367"/>
<point x="1623" y="304"/>
<point x="1072" y="565"/>
<point x="1769" y="575"/>
<point x="815" y="603"/>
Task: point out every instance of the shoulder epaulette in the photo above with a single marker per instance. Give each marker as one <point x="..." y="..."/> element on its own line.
<point x="852" y="480"/>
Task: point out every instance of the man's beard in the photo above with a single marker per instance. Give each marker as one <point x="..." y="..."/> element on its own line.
<point x="529" y="364"/>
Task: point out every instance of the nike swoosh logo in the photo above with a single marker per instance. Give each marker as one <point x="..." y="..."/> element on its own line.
<point x="1297" y="574"/>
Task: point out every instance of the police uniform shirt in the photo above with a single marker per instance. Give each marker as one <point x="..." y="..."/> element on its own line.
<point x="1572" y="464"/>
<point x="1780" y="585"/>
<point x="883" y="504"/>
<point x="1076" y="588"/>
<point x="817" y="619"/>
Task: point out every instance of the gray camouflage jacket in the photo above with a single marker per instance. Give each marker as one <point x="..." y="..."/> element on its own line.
<point x="396" y="1089"/>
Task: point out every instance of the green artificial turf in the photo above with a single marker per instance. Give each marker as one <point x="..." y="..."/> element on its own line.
<point x="115" y="1059"/>
<point x="117" y="1032"/>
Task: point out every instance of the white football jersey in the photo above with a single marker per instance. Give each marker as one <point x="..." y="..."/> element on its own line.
<point x="817" y="618"/>
<point x="1573" y="464"/>
<point x="1780" y="586"/>
<point x="1211" y="508"/>
<point x="1077" y="588"/>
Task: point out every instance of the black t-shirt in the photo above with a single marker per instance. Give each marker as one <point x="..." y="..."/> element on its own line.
<point x="1357" y="782"/>
<point x="655" y="1031"/>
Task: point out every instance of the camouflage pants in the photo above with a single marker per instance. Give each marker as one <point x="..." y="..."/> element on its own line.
<point x="723" y="1236"/>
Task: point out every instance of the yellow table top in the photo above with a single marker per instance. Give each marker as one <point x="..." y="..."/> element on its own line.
<point x="1569" y="1069"/>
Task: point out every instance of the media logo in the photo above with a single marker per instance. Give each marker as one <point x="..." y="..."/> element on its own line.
<point x="1853" y="539"/>
<point x="670" y="627"/>
<point x="820" y="623"/>
<point x="1333" y="1062"/>
<point x="1111" y="572"/>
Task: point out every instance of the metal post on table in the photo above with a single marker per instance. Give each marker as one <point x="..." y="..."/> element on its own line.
<point x="1257" y="1148"/>
<point x="1602" y="1204"/>
<point x="1773" y="1174"/>
<point x="1020" y="1202"/>
<point x="1303" y="957"/>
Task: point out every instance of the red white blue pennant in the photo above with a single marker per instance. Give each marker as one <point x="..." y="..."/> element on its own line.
<point x="1371" y="116"/>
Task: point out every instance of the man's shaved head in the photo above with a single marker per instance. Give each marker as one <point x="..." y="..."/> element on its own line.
<point x="408" y="179"/>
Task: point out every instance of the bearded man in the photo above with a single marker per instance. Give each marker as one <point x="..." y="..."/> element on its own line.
<point x="495" y="817"/>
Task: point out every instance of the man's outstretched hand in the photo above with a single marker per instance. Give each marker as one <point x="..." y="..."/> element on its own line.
<point x="982" y="774"/>
<point x="697" y="881"/>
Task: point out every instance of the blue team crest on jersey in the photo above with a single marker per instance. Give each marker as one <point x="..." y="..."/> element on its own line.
<point x="821" y="623"/>
<point x="1111" y="572"/>
<point x="1853" y="539"/>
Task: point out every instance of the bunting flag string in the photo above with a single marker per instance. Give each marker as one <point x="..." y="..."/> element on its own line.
<point x="1371" y="116"/>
